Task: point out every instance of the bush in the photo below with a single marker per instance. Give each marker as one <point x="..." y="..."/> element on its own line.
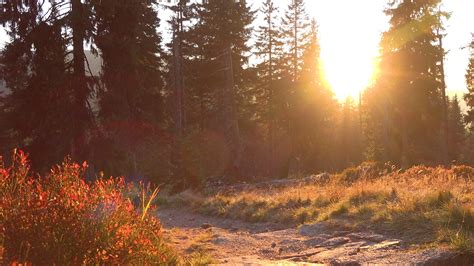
<point x="60" y="219"/>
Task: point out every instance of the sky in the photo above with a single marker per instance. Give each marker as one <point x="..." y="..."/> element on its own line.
<point x="350" y="31"/>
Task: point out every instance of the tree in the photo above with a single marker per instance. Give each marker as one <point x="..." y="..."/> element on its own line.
<point x="351" y="146"/>
<point x="456" y="130"/>
<point x="409" y="86"/>
<point x="297" y="34"/>
<point x="42" y="104"/>
<point x="313" y="112"/>
<point x="469" y="97"/>
<point x="468" y="153"/>
<point x="78" y="20"/>
<point x="269" y="49"/>
<point x="131" y="99"/>
<point x="223" y="28"/>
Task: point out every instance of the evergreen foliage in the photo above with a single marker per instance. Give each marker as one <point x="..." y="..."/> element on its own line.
<point x="222" y="93"/>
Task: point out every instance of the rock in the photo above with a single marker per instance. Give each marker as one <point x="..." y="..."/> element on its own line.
<point x="219" y="241"/>
<point x="337" y="241"/>
<point x="367" y="236"/>
<point x="383" y="245"/>
<point x="344" y="263"/>
<point x="341" y="233"/>
<point x="274" y="245"/>
<point x="313" y="242"/>
<point x="313" y="229"/>
<point x="206" y="226"/>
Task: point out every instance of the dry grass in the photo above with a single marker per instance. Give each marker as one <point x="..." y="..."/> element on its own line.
<point x="421" y="205"/>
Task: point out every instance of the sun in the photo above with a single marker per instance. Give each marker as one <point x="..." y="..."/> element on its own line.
<point x="348" y="72"/>
<point x="349" y="42"/>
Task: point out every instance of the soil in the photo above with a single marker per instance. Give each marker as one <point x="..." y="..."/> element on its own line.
<point x="234" y="242"/>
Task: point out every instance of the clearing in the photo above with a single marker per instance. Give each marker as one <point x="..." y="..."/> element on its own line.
<point x="233" y="242"/>
<point x="368" y="214"/>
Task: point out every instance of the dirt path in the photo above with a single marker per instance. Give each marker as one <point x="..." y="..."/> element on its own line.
<point x="239" y="243"/>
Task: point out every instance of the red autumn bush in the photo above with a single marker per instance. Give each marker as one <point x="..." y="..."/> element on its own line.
<point x="60" y="219"/>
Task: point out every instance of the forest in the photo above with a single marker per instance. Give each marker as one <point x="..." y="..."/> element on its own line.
<point x="191" y="105"/>
<point x="189" y="92"/>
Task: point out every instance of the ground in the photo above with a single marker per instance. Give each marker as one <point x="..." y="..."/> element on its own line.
<point x="228" y="241"/>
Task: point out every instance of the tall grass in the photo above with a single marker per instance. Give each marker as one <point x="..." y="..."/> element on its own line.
<point x="420" y="205"/>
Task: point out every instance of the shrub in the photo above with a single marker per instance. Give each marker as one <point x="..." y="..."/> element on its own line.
<point x="60" y="219"/>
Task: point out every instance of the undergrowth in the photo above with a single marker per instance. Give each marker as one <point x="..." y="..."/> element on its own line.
<point x="60" y="219"/>
<point x="421" y="205"/>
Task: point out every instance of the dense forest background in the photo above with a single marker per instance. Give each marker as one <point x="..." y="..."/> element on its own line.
<point x="191" y="107"/>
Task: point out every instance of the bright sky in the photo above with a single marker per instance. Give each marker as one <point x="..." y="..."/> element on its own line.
<point x="350" y="33"/>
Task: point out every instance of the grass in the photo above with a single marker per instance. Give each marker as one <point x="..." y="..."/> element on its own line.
<point x="421" y="205"/>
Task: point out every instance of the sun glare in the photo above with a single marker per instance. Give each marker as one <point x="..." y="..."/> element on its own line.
<point x="348" y="73"/>
<point x="349" y="42"/>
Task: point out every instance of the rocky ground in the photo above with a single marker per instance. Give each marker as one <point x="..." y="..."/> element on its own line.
<point x="232" y="242"/>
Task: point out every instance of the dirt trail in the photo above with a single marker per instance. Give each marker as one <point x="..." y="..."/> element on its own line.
<point x="232" y="242"/>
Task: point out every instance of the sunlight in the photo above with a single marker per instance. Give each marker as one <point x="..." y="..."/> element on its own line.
<point x="349" y="42"/>
<point x="348" y="73"/>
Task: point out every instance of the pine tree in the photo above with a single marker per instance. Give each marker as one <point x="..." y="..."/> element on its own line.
<point x="42" y="104"/>
<point x="130" y="102"/>
<point x="313" y="112"/>
<point x="456" y="130"/>
<point x="351" y="148"/>
<point x="269" y="49"/>
<point x="410" y="83"/>
<point x="468" y="150"/>
<point x="297" y="34"/>
<point x="221" y="33"/>
<point x="469" y="97"/>
<point x="78" y="21"/>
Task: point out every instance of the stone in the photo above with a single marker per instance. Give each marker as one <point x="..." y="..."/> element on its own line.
<point x="313" y="229"/>
<point x="337" y="241"/>
<point x="367" y="236"/>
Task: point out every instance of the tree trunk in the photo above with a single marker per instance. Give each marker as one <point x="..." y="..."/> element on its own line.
<point x="229" y="117"/>
<point x="79" y="82"/>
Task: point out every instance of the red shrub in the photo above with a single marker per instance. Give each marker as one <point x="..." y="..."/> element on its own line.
<point x="60" y="219"/>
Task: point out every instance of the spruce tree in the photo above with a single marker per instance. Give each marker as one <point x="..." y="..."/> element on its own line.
<point x="313" y="111"/>
<point x="456" y="130"/>
<point x="351" y="145"/>
<point x="410" y="83"/>
<point x="41" y="107"/>
<point x="297" y="34"/>
<point x="469" y="97"/>
<point x="269" y="49"/>
<point x="222" y="32"/>
<point x="131" y="100"/>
